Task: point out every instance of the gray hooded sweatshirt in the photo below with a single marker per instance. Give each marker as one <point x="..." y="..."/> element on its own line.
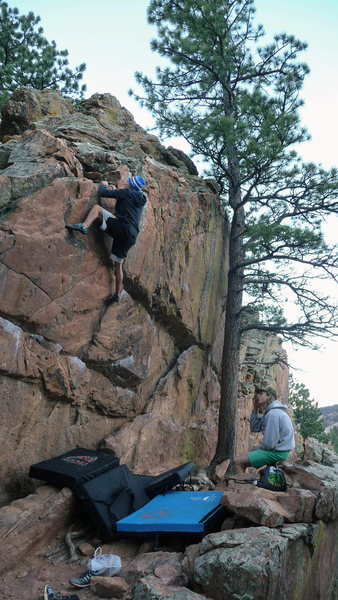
<point x="276" y="426"/>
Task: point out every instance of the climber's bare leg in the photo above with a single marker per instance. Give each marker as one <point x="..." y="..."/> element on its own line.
<point x="94" y="213"/>
<point x="118" y="271"/>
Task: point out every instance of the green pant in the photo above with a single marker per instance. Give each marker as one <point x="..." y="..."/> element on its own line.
<point x="261" y="457"/>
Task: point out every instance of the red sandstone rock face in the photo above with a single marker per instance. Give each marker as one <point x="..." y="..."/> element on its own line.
<point x="73" y="368"/>
<point x="21" y="527"/>
<point x="140" y="378"/>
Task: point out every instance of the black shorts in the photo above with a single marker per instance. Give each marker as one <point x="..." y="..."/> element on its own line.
<point x="124" y="236"/>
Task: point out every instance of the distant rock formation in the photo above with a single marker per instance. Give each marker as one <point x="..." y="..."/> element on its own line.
<point x="142" y="378"/>
<point x="330" y="416"/>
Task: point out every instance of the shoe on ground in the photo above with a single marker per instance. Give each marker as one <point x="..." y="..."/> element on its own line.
<point x="49" y="594"/>
<point x="78" y="227"/>
<point x="83" y="580"/>
<point x="114" y="298"/>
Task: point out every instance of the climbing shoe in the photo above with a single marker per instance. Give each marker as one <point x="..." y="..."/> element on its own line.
<point x="83" y="580"/>
<point x="78" y="227"/>
<point x="49" y="594"/>
<point x="114" y="298"/>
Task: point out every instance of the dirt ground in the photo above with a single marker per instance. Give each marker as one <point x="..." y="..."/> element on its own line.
<point x="51" y="566"/>
<point x="29" y="581"/>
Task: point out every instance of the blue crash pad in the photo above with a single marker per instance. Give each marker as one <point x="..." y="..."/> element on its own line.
<point x="186" y="512"/>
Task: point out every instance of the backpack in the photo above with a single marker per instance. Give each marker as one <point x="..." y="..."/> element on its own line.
<point x="272" y="478"/>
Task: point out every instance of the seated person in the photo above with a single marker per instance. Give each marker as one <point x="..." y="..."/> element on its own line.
<point x="278" y="434"/>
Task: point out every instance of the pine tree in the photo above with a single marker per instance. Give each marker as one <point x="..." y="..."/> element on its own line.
<point x="306" y="412"/>
<point x="27" y="58"/>
<point x="236" y="102"/>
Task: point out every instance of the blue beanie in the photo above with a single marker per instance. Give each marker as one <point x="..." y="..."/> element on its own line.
<point x="136" y="183"/>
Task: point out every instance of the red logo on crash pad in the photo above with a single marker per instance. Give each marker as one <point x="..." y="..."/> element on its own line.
<point x="82" y="461"/>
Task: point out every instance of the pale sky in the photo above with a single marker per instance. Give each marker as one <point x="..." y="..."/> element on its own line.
<point x="112" y="37"/>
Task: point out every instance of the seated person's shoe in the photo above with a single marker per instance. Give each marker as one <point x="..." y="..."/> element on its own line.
<point x="114" y="298"/>
<point x="78" y="227"/>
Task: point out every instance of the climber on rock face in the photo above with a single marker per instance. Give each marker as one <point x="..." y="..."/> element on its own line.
<point x="278" y="434"/>
<point x="123" y="226"/>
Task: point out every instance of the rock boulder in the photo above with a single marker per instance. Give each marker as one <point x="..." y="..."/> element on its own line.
<point x="295" y="561"/>
<point x="76" y="370"/>
<point x="27" y="105"/>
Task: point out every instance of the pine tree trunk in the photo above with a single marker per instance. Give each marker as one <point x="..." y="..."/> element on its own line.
<point x="231" y="348"/>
